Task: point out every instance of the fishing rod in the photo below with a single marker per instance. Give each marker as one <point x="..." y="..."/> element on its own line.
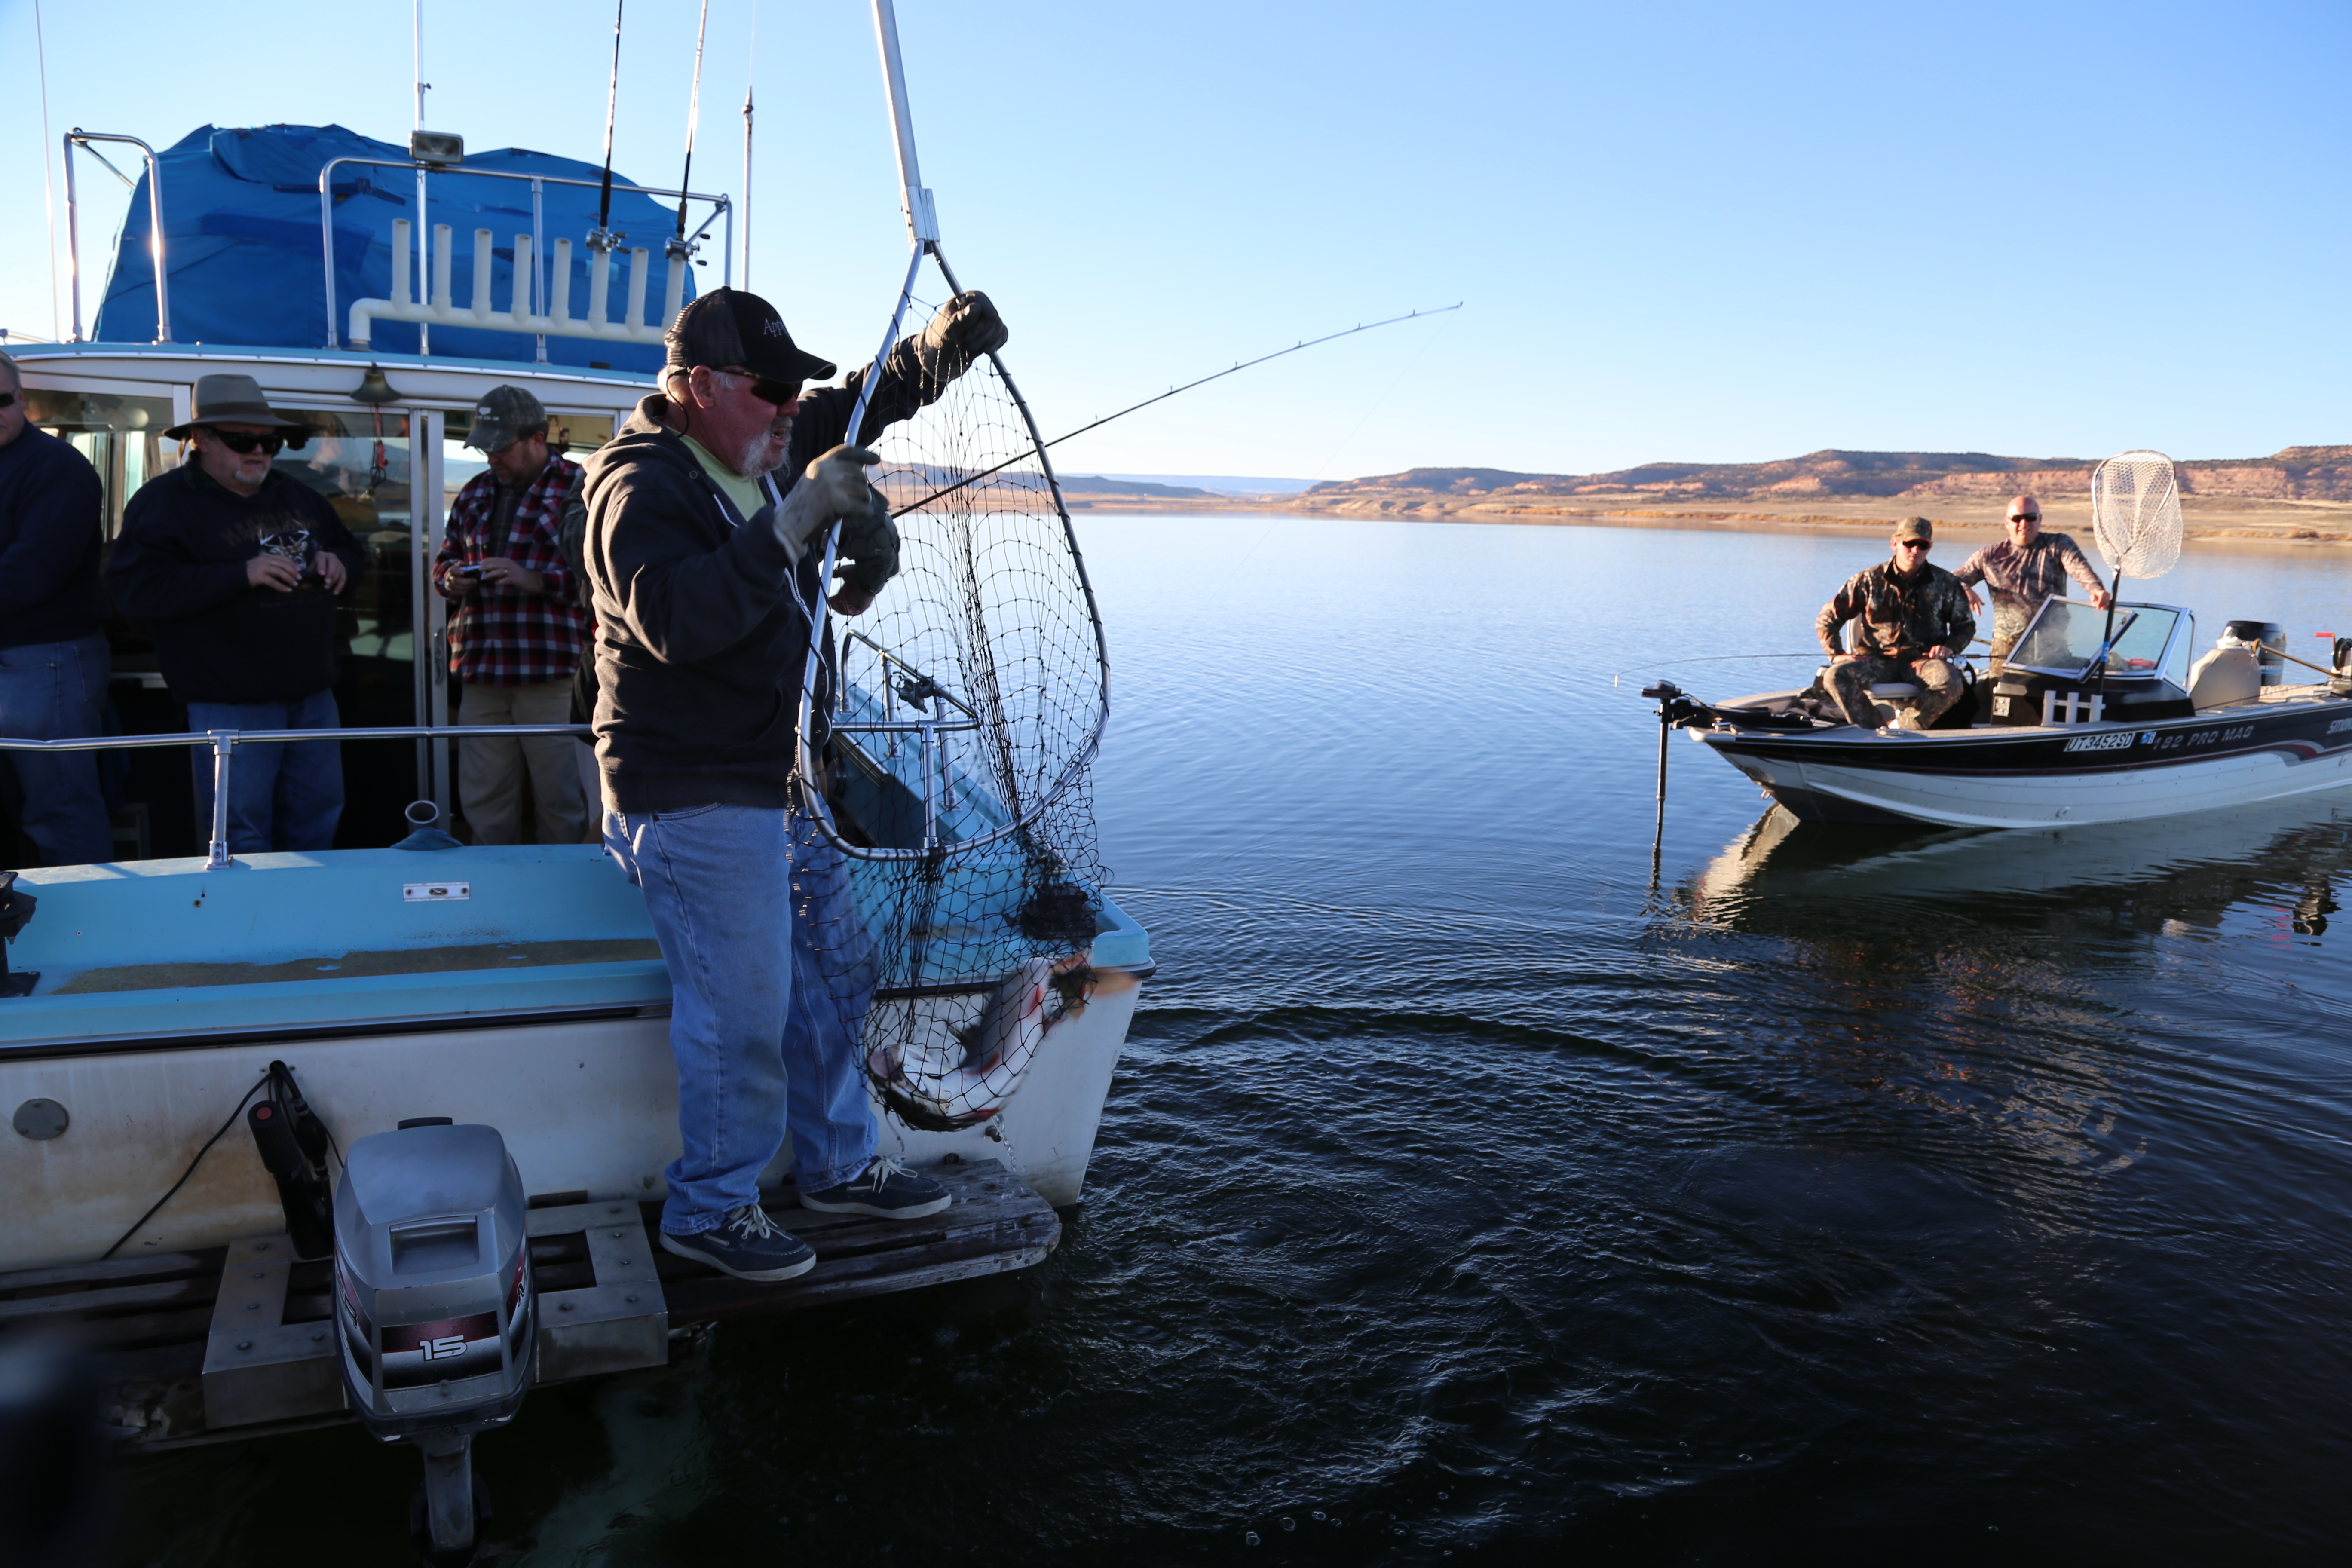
<point x="750" y="70"/>
<point x="693" y="118"/>
<point x="603" y="239"/>
<point x="1162" y="397"/>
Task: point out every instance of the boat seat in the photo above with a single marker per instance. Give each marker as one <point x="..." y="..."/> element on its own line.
<point x="2224" y="674"/>
<point x="1895" y="690"/>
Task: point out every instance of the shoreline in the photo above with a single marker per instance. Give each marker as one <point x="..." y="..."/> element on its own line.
<point x="2209" y="523"/>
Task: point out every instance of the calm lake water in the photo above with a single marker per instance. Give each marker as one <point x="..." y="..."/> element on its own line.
<point x="1843" y="1195"/>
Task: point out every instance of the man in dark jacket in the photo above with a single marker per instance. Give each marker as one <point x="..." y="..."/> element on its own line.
<point x="707" y="587"/>
<point x="53" y="660"/>
<point x="234" y="568"/>
<point x="1911" y="617"/>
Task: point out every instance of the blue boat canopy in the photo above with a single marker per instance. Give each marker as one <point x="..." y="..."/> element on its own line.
<point x="243" y="247"/>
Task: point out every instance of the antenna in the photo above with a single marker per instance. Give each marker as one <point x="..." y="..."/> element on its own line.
<point x="678" y="249"/>
<point x="602" y="239"/>
<point x="750" y="70"/>
<point x="416" y="56"/>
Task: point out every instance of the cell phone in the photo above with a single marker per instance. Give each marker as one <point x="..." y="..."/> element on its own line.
<point x="464" y="572"/>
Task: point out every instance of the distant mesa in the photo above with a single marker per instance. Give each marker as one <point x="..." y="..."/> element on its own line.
<point x="1094" y="487"/>
<point x="2297" y="473"/>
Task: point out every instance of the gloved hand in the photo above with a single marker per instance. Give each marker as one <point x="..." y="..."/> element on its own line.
<point x="869" y="551"/>
<point x="831" y="486"/>
<point x="965" y="328"/>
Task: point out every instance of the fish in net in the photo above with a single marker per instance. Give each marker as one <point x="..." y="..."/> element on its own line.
<point x="946" y="871"/>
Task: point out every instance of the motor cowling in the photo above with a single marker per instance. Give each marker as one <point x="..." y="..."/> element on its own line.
<point x="433" y="1281"/>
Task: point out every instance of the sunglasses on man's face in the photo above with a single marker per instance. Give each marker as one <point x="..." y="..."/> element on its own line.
<point x="7" y="400"/>
<point x="779" y="392"/>
<point x="1914" y="544"/>
<point x="243" y="444"/>
<point x="2025" y="517"/>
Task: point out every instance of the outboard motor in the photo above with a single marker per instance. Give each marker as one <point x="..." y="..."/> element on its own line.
<point x="434" y="1301"/>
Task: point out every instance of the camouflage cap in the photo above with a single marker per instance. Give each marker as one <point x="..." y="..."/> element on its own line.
<point x="1916" y="528"/>
<point x="503" y="414"/>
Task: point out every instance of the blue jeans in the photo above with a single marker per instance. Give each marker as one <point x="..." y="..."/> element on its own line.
<point x="57" y="691"/>
<point x="279" y="796"/>
<point x="760" y="1047"/>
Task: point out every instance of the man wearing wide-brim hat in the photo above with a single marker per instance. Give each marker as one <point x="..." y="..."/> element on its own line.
<point x="234" y="568"/>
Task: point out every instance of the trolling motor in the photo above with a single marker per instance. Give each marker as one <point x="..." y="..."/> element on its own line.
<point x="293" y="1145"/>
<point x="434" y="1305"/>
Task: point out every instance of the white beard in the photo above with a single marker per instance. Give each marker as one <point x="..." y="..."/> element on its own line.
<point x="753" y="462"/>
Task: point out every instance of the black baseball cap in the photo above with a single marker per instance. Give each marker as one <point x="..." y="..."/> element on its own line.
<point x="728" y="326"/>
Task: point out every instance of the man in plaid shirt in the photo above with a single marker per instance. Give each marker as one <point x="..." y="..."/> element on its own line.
<point x="515" y="635"/>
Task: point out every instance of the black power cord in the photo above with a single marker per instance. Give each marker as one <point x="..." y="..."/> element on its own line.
<point x="258" y="1085"/>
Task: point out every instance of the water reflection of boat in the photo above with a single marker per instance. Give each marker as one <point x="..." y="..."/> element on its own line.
<point x="2078" y="728"/>
<point x="1783" y="873"/>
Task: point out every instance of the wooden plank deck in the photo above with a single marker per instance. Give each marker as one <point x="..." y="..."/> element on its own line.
<point x="147" y="1318"/>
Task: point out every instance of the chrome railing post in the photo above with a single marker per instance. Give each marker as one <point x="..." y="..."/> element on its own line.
<point x="217" y="857"/>
<point x="930" y="805"/>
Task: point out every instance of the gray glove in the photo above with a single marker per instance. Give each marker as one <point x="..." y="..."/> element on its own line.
<point x="965" y="328"/>
<point x="834" y="485"/>
<point x="869" y="547"/>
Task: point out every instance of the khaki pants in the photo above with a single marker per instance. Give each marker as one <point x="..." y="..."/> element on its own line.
<point x="491" y="768"/>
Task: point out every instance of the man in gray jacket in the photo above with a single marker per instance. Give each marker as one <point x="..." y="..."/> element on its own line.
<point x="706" y="581"/>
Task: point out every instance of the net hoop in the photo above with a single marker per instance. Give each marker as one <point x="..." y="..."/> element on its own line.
<point x="2136" y="513"/>
<point x="1074" y="769"/>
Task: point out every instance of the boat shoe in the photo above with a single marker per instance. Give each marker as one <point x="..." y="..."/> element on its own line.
<point x="748" y="1244"/>
<point x="887" y="1190"/>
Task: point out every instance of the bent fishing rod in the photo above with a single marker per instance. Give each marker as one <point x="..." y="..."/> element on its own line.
<point x="1164" y="396"/>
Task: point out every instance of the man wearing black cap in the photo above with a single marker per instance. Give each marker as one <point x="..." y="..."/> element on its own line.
<point x="234" y="568"/>
<point x="706" y="580"/>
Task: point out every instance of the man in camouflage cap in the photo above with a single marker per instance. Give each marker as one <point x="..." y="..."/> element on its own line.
<point x="515" y="630"/>
<point x="1911" y="619"/>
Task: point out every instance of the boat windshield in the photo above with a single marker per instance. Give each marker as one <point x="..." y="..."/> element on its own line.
<point x="2064" y="635"/>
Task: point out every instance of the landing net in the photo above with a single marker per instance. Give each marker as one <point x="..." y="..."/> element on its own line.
<point x="953" y="872"/>
<point x="2136" y="513"/>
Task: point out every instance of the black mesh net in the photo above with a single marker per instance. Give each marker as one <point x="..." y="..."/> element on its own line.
<point x="948" y="887"/>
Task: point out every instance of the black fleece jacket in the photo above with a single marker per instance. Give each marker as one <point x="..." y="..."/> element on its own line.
<point x="50" y="499"/>
<point x="703" y="622"/>
<point x="179" y="567"/>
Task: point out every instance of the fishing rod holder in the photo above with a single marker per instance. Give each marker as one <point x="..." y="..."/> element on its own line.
<point x="540" y="303"/>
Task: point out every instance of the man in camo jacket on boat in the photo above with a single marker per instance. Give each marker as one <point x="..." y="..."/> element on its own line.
<point x="1911" y="619"/>
<point x="2023" y="571"/>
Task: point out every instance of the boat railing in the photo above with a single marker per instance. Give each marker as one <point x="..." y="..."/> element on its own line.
<point x="77" y="137"/>
<point x="225" y="742"/>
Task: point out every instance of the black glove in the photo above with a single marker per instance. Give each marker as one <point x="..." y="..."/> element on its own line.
<point x="868" y="556"/>
<point x="965" y="328"/>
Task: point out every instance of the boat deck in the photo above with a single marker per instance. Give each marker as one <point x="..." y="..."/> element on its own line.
<point x="187" y="1359"/>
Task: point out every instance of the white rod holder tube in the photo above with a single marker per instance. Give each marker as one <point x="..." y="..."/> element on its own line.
<point x="481" y="301"/>
<point x="638" y="257"/>
<point x="600" y="283"/>
<point x="518" y="307"/>
<point x="674" y="289"/>
<point x="441" y="265"/>
<point x="401" y="292"/>
<point x="559" y="294"/>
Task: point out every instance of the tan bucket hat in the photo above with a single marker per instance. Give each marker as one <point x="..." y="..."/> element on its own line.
<point x="230" y="400"/>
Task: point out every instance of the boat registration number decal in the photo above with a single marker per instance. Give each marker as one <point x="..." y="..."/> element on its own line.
<point x="2112" y="741"/>
<point x="434" y="893"/>
<point x="2339" y="726"/>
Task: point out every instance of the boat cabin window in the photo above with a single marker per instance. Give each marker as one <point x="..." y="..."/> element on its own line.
<point x="122" y="437"/>
<point x="2064" y="635"/>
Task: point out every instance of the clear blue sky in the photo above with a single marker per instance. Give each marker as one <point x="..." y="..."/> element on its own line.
<point x="1681" y="231"/>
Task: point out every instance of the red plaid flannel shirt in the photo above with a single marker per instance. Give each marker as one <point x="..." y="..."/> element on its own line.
<point x="504" y="636"/>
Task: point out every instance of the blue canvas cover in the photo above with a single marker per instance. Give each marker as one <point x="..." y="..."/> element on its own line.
<point x="243" y="245"/>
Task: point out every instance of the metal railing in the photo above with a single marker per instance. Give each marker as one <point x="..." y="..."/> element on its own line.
<point x="77" y="137"/>
<point x="225" y="742"/>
